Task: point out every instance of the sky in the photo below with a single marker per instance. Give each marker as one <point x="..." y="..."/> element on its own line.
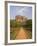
<point x="20" y="10"/>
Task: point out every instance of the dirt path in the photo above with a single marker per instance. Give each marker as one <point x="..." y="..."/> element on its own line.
<point x="22" y="34"/>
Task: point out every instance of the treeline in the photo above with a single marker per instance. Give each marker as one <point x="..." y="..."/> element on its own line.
<point x="28" y="24"/>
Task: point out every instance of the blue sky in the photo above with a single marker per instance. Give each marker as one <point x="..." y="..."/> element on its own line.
<point x="20" y="10"/>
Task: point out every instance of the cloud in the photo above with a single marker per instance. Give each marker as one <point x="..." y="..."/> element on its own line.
<point x="23" y="11"/>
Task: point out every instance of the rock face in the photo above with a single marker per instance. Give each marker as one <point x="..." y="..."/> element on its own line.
<point x="21" y="18"/>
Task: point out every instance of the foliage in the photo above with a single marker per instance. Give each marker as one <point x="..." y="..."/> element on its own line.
<point x="13" y="23"/>
<point x="28" y="24"/>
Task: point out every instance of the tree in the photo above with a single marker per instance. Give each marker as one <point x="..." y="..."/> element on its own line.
<point x="29" y="24"/>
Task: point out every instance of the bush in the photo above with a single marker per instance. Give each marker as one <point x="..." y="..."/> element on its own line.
<point x="13" y="23"/>
<point x="28" y="24"/>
